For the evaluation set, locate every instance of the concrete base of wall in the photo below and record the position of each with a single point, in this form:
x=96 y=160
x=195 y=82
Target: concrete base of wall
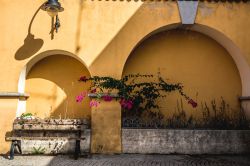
x=163 y=141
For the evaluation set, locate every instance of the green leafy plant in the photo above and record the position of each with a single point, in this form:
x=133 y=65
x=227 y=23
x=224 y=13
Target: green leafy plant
x=138 y=97
x=138 y=93
x=222 y=116
x=38 y=150
x=24 y=115
x=214 y=116
x=180 y=119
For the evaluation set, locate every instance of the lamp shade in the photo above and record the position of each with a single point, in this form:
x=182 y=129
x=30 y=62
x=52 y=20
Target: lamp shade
x=52 y=7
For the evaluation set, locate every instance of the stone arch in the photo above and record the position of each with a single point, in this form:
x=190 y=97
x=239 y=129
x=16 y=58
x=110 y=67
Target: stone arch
x=229 y=45
x=184 y=56
x=21 y=107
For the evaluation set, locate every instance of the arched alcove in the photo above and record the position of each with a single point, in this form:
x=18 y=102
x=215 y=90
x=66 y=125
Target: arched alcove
x=238 y=56
x=51 y=80
x=201 y=64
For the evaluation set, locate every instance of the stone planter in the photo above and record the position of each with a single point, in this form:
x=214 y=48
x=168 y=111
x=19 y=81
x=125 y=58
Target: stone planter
x=164 y=141
x=51 y=124
x=52 y=136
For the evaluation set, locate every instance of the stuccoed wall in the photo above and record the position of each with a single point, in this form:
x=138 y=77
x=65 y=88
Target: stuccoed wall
x=53 y=86
x=86 y=28
x=106 y=128
x=201 y=64
x=101 y=34
x=185 y=141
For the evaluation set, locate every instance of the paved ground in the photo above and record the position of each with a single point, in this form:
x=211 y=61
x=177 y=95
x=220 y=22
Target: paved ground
x=127 y=160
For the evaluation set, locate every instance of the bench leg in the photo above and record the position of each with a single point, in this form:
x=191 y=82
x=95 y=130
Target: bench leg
x=12 y=150
x=77 y=149
x=18 y=144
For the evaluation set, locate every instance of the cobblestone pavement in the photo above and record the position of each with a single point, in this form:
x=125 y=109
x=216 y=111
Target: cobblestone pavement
x=128 y=160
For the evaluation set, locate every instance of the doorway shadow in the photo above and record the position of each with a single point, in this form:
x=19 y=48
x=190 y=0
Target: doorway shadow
x=30 y=45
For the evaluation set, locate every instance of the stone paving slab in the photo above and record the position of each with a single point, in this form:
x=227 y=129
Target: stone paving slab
x=129 y=160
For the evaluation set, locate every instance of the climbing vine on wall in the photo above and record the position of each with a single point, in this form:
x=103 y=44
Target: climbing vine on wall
x=136 y=92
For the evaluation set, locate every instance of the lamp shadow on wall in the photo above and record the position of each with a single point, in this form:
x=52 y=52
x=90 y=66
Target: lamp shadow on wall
x=30 y=45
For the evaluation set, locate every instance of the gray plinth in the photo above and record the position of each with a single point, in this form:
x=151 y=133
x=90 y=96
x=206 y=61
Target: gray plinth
x=164 y=141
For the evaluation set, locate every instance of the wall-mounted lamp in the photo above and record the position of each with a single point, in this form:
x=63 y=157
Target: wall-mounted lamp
x=53 y=7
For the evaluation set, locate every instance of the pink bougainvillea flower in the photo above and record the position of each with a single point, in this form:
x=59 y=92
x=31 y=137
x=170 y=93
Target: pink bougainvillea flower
x=107 y=98
x=126 y=104
x=93 y=91
x=83 y=78
x=129 y=105
x=193 y=103
x=93 y=103
x=80 y=97
x=122 y=102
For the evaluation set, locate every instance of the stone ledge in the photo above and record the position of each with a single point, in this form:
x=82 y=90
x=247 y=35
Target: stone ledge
x=244 y=98
x=163 y=141
x=14 y=95
x=94 y=95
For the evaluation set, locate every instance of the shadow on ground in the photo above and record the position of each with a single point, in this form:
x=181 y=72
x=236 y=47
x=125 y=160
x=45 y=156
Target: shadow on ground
x=129 y=159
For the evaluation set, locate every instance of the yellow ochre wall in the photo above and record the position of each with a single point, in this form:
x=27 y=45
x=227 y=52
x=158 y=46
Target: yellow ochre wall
x=193 y=59
x=53 y=86
x=102 y=34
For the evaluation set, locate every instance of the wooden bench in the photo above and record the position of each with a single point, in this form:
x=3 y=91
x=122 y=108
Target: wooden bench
x=55 y=130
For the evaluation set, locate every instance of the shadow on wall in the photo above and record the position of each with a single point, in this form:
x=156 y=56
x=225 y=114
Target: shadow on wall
x=31 y=45
x=78 y=29
x=53 y=86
